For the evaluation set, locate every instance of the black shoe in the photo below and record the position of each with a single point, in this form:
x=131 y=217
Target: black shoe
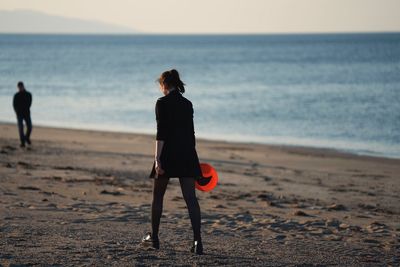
x=22 y=145
x=148 y=241
x=197 y=248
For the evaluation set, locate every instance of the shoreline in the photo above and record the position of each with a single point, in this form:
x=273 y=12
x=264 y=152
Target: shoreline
x=310 y=149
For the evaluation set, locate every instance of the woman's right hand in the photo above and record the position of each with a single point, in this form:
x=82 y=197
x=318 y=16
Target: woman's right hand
x=159 y=170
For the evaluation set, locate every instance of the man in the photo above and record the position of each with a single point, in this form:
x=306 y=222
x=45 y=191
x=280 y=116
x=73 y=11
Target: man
x=22 y=103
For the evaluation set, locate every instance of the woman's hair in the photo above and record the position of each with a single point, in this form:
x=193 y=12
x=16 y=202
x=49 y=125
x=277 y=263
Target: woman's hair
x=171 y=79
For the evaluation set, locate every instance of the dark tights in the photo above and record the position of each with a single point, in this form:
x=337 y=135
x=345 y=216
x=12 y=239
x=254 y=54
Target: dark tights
x=189 y=194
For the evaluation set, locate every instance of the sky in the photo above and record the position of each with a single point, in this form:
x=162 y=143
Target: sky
x=227 y=16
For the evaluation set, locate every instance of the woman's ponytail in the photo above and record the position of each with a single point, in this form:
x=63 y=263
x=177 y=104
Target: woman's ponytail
x=178 y=83
x=171 y=79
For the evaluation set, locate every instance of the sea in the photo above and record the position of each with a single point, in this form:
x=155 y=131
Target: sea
x=339 y=91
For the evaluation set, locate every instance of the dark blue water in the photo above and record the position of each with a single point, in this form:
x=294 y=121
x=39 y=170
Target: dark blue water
x=336 y=91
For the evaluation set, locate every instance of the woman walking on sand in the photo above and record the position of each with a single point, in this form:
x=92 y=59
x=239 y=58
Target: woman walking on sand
x=175 y=156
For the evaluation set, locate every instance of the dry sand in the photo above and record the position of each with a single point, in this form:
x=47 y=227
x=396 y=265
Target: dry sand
x=78 y=198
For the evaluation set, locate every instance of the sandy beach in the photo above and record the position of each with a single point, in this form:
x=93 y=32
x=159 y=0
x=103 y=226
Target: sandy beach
x=79 y=198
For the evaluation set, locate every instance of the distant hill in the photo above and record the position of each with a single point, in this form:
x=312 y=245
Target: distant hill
x=28 y=21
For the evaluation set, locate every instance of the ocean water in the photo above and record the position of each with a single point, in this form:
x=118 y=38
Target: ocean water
x=337 y=91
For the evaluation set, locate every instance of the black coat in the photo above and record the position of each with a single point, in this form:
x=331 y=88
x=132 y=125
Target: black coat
x=174 y=115
x=22 y=103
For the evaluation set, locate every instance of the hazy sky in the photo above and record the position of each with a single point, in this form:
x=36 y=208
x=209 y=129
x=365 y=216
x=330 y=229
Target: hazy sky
x=227 y=16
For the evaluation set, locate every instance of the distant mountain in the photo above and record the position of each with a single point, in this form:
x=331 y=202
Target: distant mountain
x=28 y=21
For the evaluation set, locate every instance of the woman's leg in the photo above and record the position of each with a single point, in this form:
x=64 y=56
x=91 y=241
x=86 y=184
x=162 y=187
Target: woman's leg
x=159 y=187
x=189 y=194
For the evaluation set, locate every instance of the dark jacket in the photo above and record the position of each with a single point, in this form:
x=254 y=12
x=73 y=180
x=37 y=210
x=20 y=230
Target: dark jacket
x=174 y=115
x=22 y=103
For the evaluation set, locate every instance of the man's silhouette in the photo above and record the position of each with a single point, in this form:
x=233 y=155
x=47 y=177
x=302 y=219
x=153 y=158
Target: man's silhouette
x=22 y=103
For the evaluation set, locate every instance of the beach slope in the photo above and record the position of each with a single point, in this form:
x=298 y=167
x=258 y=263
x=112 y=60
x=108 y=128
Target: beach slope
x=83 y=198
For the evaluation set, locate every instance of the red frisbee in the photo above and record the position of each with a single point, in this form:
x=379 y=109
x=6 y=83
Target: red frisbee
x=209 y=179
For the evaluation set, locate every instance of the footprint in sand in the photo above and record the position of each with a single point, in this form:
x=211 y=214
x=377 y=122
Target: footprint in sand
x=177 y=198
x=28 y=188
x=8 y=165
x=26 y=165
x=114 y=193
x=337 y=207
x=9 y=148
x=300 y=213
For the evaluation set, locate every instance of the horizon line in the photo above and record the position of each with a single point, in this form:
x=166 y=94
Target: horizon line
x=202 y=33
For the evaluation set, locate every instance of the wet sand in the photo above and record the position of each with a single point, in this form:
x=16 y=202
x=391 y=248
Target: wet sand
x=78 y=198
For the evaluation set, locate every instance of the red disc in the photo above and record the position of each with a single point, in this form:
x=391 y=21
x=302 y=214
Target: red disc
x=209 y=179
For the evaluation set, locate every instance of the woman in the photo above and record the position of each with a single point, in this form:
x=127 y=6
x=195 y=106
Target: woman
x=175 y=156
